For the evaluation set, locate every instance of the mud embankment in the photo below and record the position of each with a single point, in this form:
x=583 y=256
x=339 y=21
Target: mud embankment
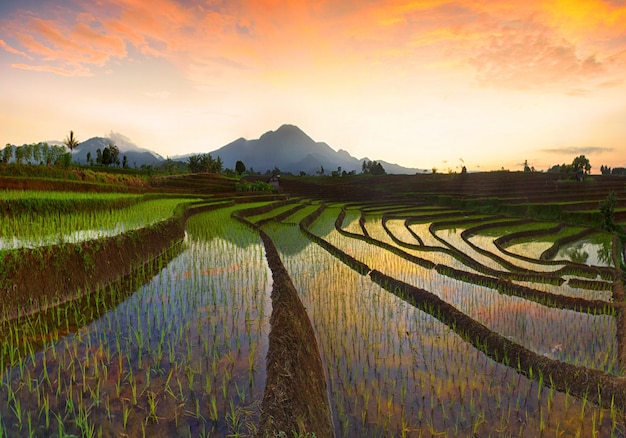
x=295 y=397
x=295 y=400
x=32 y=280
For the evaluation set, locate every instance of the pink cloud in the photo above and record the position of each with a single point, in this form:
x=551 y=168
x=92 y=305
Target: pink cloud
x=497 y=39
x=51 y=69
x=526 y=55
x=10 y=49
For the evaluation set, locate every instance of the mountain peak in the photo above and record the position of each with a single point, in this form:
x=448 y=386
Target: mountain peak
x=291 y=150
x=288 y=127
x=286 y=131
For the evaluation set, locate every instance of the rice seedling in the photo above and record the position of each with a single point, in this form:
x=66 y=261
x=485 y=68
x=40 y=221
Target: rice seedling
x=184 y=353
x=31 y=230
x=139 y=363
x=448 y=407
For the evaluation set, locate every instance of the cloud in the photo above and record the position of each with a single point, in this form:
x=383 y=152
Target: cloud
x=66 y=48
x=10 y=49
x=123 y=142
x=611 y=84
x=52 y=69
x=93 y=34
x=502 y=44
x=578 y=150
x=528 y=55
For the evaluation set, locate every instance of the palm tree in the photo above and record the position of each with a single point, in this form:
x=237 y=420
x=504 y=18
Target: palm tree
x=71 y=142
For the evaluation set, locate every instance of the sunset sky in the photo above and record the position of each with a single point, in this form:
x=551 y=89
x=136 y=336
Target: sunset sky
x=424 y=84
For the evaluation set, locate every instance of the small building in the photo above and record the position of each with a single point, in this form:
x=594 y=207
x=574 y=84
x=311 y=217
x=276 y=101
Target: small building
x=274 y=181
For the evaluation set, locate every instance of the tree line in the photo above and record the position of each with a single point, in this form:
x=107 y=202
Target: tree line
x=36 y=153
x=606 y=170
x=579 y=168
x=205 y=163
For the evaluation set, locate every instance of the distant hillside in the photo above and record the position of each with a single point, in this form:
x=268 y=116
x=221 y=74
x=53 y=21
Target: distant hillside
x=288 y=149
x=291 y=150
x=136 y=156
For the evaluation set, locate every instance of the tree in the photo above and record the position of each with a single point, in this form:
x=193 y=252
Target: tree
x=106 y=156
x=194 y=163
x=378 y=169
x=27 y=153
x=65 y=159
x=373 y=168
x=125 y=162
x=57 y=155
x=19 y=154
x=7 y=153
x=89 y=158
x=581 y=164
x=607 y=209
x=37 y=153
x=218 y=165
x=99 y=157
x=240 y=168
x=526 y=166
x=114 y=152
x=605 y=170
x=45 y=153
x=71 y=142
x=204 y=163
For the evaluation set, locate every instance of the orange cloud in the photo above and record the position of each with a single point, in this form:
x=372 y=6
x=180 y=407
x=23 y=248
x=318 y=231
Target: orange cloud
x=527 y=55
x=10 y=49
x=71 y=48
x=512 y=44
x=52 y=69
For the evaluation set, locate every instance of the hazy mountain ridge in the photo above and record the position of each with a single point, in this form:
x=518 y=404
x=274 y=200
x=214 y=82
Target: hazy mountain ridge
x=135 y=155
x=288 y=149
x=291 y=150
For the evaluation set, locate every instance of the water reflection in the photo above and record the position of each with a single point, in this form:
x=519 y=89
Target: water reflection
x=394 y=370
x=183 y=356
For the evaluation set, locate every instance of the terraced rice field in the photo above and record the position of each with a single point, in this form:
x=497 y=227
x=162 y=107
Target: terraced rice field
x=429 y=321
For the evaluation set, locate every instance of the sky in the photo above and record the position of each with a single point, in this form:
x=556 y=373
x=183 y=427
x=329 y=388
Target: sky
x=428 y=84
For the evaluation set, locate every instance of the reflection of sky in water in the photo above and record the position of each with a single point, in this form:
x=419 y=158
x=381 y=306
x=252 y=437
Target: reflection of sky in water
x=351 y=222
x=590 y=253
x=529 y=249
x=503 y=314
x=391 y=366
x=205 y=314
x=42 y=230
x=74 y=237
x=453 y=237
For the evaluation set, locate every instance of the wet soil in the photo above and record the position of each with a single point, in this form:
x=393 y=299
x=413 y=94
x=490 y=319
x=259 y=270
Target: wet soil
x=296 y=397
x=36 y=279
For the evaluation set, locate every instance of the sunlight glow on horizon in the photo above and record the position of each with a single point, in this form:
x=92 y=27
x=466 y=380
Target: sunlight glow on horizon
x=419 y=83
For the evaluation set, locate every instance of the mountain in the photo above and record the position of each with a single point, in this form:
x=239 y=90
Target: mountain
x=291 y=150
x=135 y=155
x=288 y=149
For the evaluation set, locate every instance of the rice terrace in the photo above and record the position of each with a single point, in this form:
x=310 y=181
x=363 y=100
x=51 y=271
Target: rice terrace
x=471 y=305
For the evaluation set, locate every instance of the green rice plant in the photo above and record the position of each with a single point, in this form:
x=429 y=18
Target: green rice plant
x=325 y=298
x=34 y=230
